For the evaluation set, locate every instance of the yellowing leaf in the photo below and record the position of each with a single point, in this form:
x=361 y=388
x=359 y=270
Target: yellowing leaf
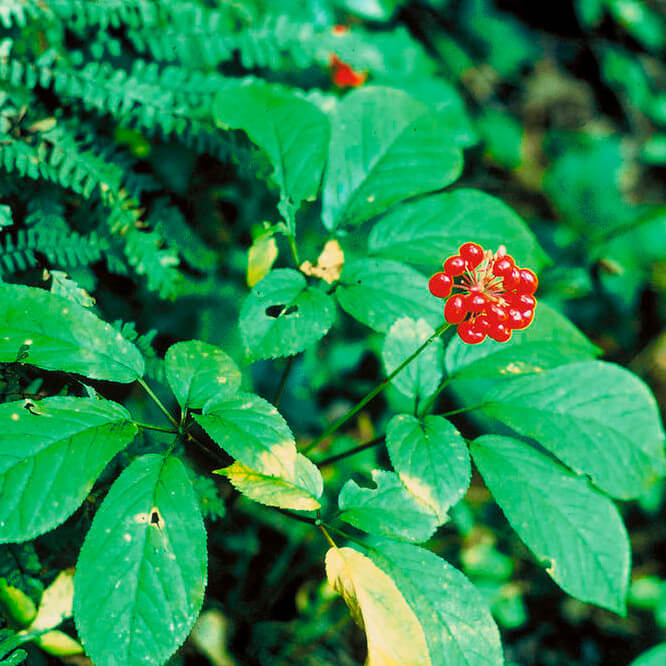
x=59 y=644
x=329 y=264
x=56 y=603
x=260 y=258
x=395 y=636
x=299 y=494
x=15 y=605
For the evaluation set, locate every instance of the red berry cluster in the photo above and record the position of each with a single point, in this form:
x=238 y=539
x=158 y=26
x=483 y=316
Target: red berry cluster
x=494 y=295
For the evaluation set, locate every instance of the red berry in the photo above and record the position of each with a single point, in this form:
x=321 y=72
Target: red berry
x=475 y=302
x=528 y=318
x=515 y=318
x=455 y=309
x=481 y=323
x=472 y=253
x=496 y=313
x=499 y=332
x=528 y=281
x=503 y=266
x=454 y=266
x=511 y=279
x=468 y=333
x=440 y=285
x=524 y=301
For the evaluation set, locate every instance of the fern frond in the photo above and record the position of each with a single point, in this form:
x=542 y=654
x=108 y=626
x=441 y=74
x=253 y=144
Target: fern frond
x=18 y=12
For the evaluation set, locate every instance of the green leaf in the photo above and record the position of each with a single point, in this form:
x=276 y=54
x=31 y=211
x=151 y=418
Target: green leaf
x=388 y=509
x=385 y=147
x=283 y=316
x=598 y=418
x=422 y=376
x=379 y=291
x=293 y=132
x=142 y=567
x=550 y=341
x=426 y=231
x=198 y=372
x=253 y=432
x=655 y=656
x=431 y=459
x=301 y=494
x=52 y=453
x=53 y=333
x=562 y=519
x=458 y=627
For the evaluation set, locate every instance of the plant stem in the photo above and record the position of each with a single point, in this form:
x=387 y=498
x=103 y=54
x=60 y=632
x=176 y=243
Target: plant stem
x=460 y=410
x=157 y=401
x=295 y=516
x=431 y=400
x=352 y=451
x=344 y=535
x=283 y=380
x=294 y=250
x=147 y=426
x=327 y=536
x=375 y=391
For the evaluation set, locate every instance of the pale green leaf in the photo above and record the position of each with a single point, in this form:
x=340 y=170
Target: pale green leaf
x=655 y=656
x=142 y=567
x=422 y=376
x=427 y=231
x=395 y=636
x=598 y=418
x=388 y=509
x=385 y=147
x=283 y=316
x=568 y=524
x=52 y=451
x=53 y=333
x=300 y=494
x=457 y=624
x=377 y=292
x=293 y=132
x=252 y=431
x=551 y=340
x=198 y=372
x=431 y=459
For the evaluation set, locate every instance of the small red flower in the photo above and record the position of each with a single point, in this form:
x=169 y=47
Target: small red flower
x=344 y=76
x=340 y=29
x=492 y=295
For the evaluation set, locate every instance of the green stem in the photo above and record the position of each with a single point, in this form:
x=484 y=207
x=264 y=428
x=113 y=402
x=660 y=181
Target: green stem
x=375 y=391
x=460 y=410
x=283 y=380
x=147 y=426
x=351 y=452
x=431 y=400
x=294 y=250
x=158 y=402
x=344 y=535
x=327 y=536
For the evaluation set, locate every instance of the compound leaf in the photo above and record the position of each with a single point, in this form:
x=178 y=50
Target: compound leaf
x=54 y=333
x=283 y=316
x=142 y=566
x=388 y=509
x=198 y=372
x=562 y=519
x=52 y=453
x=598 y=418
x=431 y=459
x=385 y=147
